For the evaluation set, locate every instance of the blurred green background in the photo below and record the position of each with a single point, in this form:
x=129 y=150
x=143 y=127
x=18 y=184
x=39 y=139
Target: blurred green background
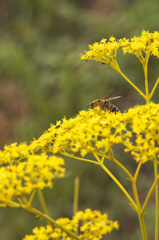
x=42 y=79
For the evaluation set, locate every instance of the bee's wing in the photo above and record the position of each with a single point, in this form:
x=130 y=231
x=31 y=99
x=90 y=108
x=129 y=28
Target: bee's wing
x=108 y=94
x=108 y=99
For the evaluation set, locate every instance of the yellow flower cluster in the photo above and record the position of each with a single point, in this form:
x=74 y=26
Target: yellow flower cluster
x=88 y=225
x=145 y=128
x=96 y=131
x=141 y=47
x=14 y=153
x=104 y=51
x=36 y=172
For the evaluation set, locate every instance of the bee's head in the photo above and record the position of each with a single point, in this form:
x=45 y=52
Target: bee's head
x=90 y=105
x=94 y=104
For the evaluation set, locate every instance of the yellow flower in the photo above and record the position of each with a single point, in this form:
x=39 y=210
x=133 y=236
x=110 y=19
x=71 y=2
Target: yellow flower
x=95 y=131
x=104 y=52
x=36 y=172
x=91 y=225
x=141 y=46
x=14 y=153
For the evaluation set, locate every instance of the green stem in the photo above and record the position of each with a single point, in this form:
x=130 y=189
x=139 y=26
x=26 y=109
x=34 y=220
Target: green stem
x=110 y=157
x=20 y=200
x=31 y=197
x=149 y=194
x=38 y=213
x=140 y=214
x=79 y=158
x=154 y=88
x=117 y=68
x=117 y=182
x=156 y=202
x=24 y=200
x=49 y=219
x=133 y=85
x=136 y=196
x=144 y=64
x=9 y=203
x=76 y=194
x=42 y=202
x=137 y=171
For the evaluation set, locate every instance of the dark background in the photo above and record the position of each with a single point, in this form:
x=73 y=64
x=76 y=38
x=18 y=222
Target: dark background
x=42 y=79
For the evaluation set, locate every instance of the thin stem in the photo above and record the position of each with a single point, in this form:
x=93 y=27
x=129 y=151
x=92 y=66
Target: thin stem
x=10 y=203
x=3 y=205
x=79 y=158
x=76 y=194
x=140 y=215
x=20 y=200
x=49 y=219
x=25 y=201
x=133 y=85
x=38 y=213
x=137 y=171
x=117 y=182
x=144 y=64
x=111 y=152
x=31 y=197
x=154 y=88
x=146 y=82
x=110 y=157
x=156 y=203
x=122 y=167
x=136 y=196
x=149 y=194
x=117 y=68
x=102 y=160
x=42 y=201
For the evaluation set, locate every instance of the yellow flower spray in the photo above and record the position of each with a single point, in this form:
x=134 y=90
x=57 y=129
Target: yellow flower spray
x=91 y=133
x=143 y=119
x=23 y=174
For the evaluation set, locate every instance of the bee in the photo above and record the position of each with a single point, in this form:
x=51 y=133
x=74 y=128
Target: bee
x=104 y=103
